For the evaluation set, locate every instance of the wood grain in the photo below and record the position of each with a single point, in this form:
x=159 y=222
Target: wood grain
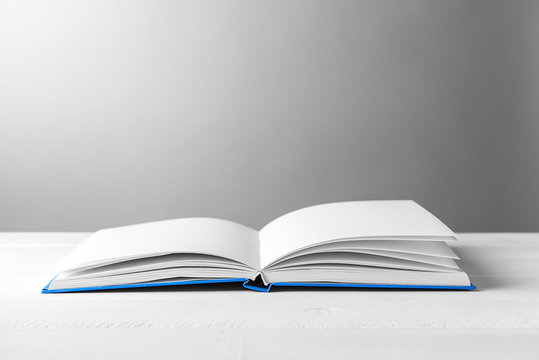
x=226 y=320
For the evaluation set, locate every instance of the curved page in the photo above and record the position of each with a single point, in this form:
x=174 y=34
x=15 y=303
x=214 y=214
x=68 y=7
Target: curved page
x=155 y=263
x=342 y=220
x=422 y=248
x=190 y=235
x=353 y=259
x=434 y=260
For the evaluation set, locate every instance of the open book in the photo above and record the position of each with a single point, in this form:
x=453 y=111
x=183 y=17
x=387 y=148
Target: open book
x=355 y=244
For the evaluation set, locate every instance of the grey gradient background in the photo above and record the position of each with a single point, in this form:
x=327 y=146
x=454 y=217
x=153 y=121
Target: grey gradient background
x=116 y=112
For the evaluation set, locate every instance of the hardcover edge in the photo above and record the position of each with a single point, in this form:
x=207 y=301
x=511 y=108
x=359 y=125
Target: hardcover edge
x=267 y=288
x=248 y=284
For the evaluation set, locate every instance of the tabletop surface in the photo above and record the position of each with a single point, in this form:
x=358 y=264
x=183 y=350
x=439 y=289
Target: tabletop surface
x=499 y=320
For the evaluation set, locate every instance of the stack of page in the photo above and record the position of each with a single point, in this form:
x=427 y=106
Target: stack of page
x=389 y=244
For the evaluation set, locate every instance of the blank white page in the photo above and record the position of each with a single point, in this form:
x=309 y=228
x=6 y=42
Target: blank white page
x=344 y=220
x=190 y=235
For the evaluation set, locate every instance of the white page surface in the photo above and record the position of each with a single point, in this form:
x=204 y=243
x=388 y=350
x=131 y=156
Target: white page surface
x=190 y=235
x=342 y=220
x=435 y=260
x=352 y=259
x=427 y=248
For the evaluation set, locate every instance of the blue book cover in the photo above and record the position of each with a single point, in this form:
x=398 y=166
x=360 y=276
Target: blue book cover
x=255 y=286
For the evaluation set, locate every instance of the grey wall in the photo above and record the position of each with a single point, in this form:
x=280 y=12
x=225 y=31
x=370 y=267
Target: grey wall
x=114 y=112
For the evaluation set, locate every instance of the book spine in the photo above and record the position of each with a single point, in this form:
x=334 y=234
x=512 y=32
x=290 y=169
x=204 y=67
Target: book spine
x=257 y=285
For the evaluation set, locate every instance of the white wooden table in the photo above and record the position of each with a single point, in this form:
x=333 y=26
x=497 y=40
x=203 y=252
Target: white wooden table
x=498 y=321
